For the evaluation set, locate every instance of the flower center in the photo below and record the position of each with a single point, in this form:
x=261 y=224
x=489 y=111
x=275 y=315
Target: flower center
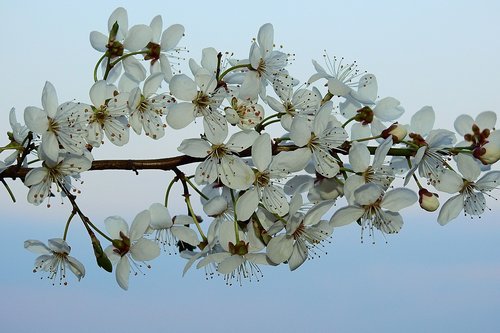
x=262 y=178
x=100 y=115
x=299 y=231
x=261 y=68
x=219 y=151
x=202 y=100
x=122 y=246
x=53 y=126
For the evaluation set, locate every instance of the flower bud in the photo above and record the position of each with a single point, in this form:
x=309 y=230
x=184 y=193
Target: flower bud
x=489 y=153
x=428 y=200
x=397 y=131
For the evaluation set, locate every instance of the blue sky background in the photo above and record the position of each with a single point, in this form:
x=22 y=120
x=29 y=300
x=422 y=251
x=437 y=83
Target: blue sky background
x=427 y=278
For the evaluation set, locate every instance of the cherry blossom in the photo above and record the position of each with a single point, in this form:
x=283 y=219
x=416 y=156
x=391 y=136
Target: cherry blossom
x=129 y=248
x=471 y=190
x=319 y=140
x=376 y=209
x=221 y=161
x=54 y=259
x=60 y=125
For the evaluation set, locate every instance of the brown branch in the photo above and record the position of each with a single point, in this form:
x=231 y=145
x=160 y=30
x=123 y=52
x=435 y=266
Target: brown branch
x=170 y=163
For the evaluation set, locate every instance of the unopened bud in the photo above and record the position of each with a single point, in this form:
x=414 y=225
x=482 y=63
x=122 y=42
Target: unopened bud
x=100 y=256
x=489 y=153
x=428 y=200
x=397 y=132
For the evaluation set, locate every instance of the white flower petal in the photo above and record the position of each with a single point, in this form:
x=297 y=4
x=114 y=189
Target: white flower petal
x=144 y=250
x=49 y=99
x=116 y=225
x=265 y=38
x=300 y=132
x=195 y=147
x=468 y=167
x=241 y=140
x=36 y=119
x=206 y=172
x=123 y=272
x=135 y=69
x=423 y=121
x=50 y=146
x=489 y=181
x=261 y=152
x=314 y=215
x=36 y=246
x=76 y=267
x=138 y=37
x=346 y=215
x=119 y=15
x=451 y=209
x=183 y=87
x=275 y=200
x=359 y=157
x=279 y=248
x=185 y=234
x=180 y=115
x=368 y=194
x=160 y=217
x=486 y=119
x=388 y=109
x=171 y=37
x=367 y=89
x=152 y=84
x=235 y=174
x=247 y=204
x=399 y=198
x=289 y=161
x=463 y=124
x=228 y=265
x=98 y=93
x=98 y=41
x=299 y=256
x=449 y=182
x=140 y=225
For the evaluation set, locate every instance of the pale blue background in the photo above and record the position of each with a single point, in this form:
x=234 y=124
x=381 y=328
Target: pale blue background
x=426 y=279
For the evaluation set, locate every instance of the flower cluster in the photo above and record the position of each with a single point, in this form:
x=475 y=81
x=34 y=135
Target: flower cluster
x=267 y=199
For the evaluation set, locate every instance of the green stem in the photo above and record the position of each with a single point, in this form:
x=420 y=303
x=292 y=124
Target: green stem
x=368 y=139
x=411 y=144
x=8 y=190
x=193 y=215
x=414 y=176
x=194 y=187
x=347 y=169
x=170 y=185
x=96 y=68
x=233 y=68
x=82 y=216
x=261 y=127
x=269 y=117
x=182 y=177
x=348 y=121
x=66 y=228
x=97 y=229
x=128 y=55
x=235 y=222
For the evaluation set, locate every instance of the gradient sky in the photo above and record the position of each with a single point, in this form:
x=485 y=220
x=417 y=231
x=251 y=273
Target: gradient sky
x=427 y=278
